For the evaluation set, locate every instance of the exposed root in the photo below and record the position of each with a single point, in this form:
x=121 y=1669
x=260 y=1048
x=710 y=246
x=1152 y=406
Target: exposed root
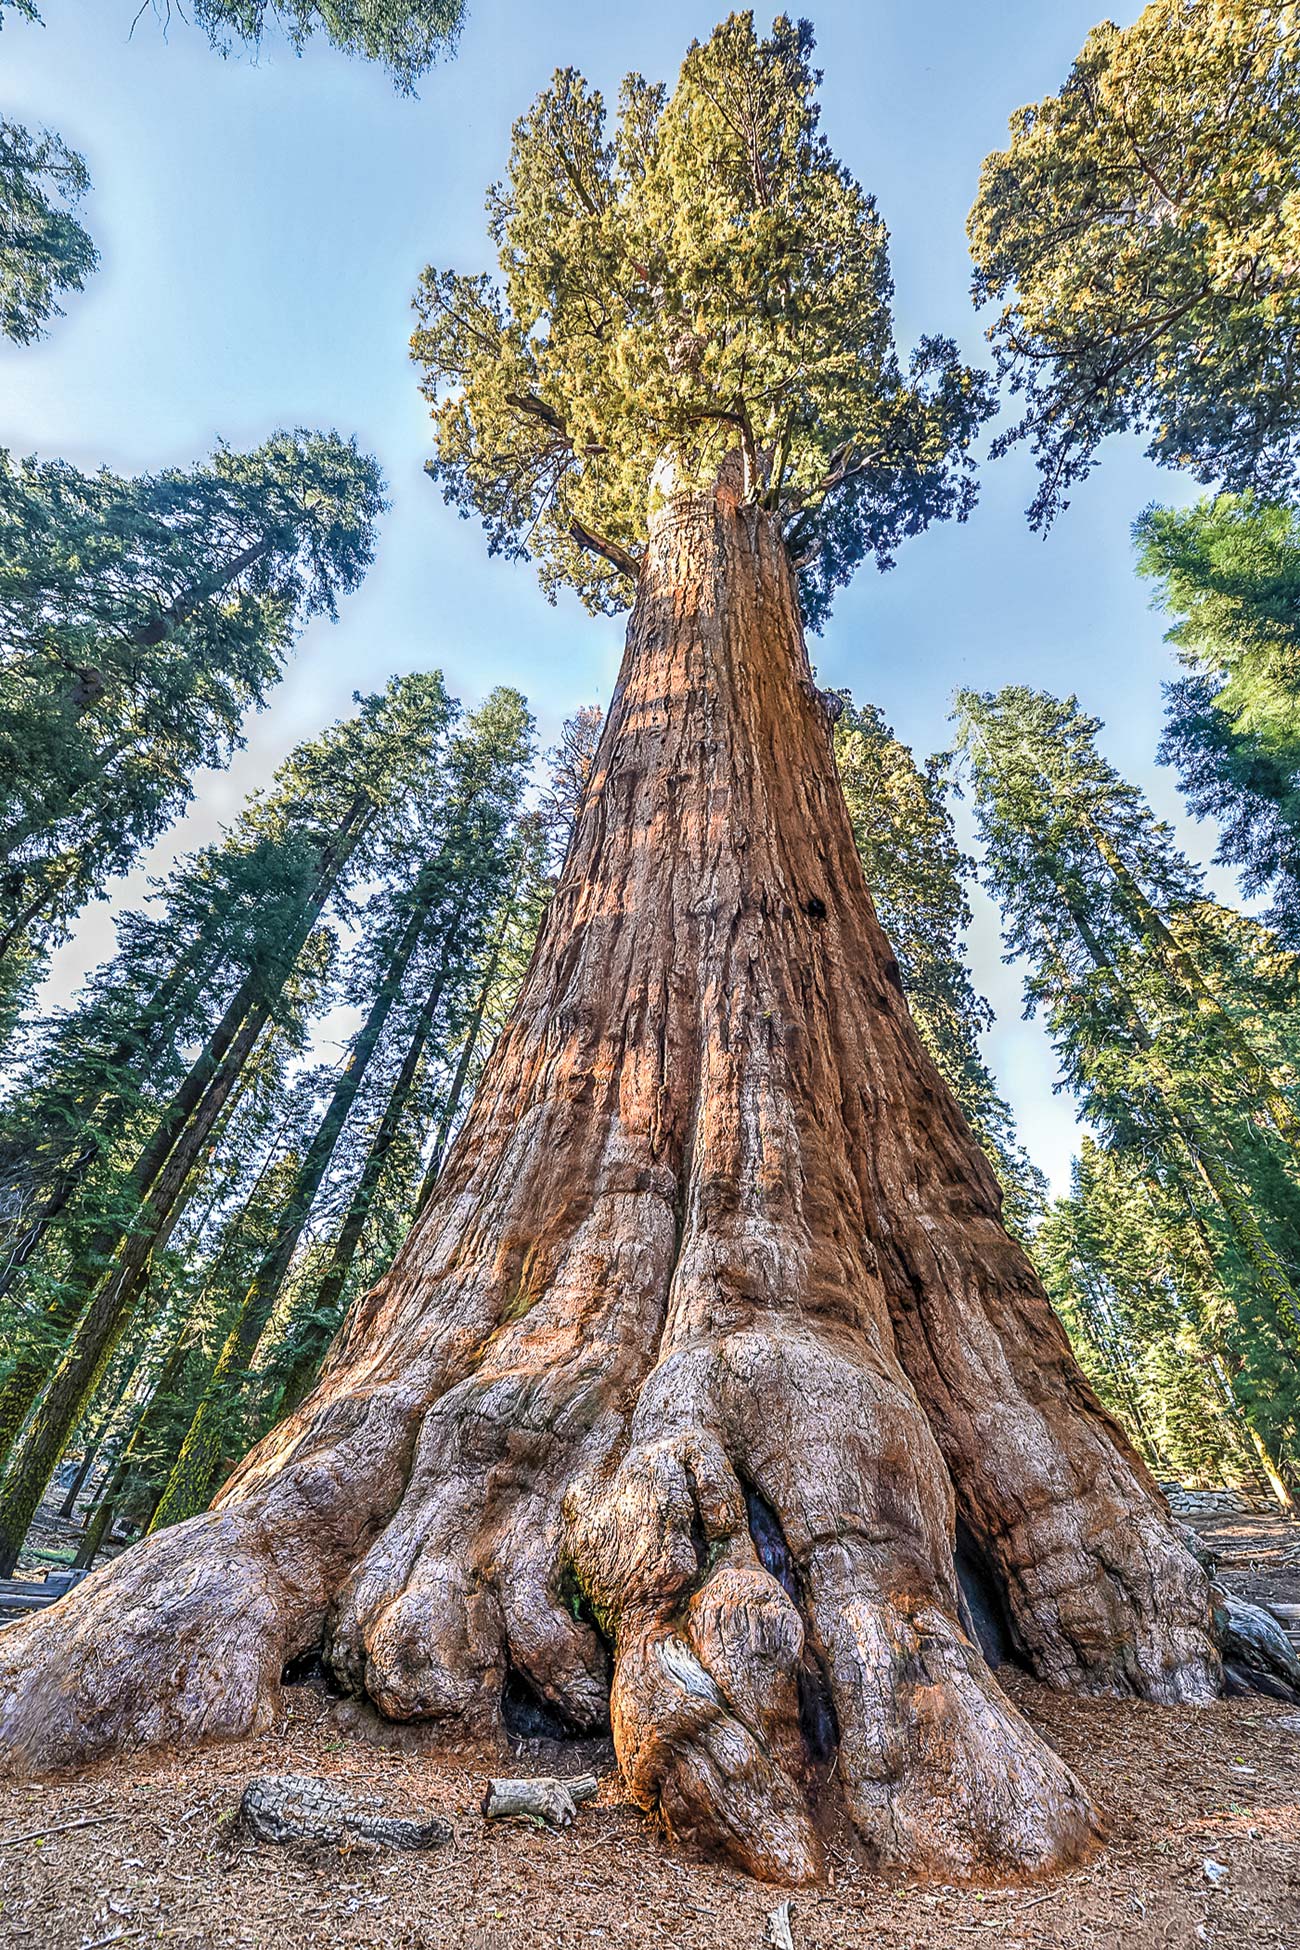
x=937 y=1769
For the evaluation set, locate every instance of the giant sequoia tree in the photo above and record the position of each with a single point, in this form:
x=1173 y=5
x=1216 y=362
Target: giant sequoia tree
x=710 y=1342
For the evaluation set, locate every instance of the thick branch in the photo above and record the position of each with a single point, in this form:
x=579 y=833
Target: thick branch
x=614 y=552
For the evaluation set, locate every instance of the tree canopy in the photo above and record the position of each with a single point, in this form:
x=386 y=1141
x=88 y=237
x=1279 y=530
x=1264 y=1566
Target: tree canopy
x=140 y=619
x=44 y=250
x=706 y=279
x=404 y=36
x=1143 y=230
x=1228 y=573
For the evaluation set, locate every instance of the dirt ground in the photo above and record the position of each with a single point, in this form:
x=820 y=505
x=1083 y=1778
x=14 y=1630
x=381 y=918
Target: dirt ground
x=1202 y=1808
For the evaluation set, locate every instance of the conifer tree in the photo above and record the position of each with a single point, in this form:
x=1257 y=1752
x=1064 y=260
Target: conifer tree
x=404 y=36
x=710 y=1324
x=456 y=847
x=917 y=875
x=1228 y=572
x=329 y=803
x=44 y=250
x=1164 y=1324
x=1142 y=230
x=1175 y=1021
x=141 y=619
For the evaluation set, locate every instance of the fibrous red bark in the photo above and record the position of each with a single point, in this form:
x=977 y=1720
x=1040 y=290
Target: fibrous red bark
x=710 y=1338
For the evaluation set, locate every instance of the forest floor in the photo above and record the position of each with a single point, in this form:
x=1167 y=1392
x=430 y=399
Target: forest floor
x=1202 y=1811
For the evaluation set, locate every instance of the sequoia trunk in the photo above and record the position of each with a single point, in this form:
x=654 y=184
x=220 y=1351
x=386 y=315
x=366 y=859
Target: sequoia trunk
x=660 y=1413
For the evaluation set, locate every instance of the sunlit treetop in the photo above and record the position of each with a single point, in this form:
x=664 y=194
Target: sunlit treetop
x=708 y=278
x=1142 y=230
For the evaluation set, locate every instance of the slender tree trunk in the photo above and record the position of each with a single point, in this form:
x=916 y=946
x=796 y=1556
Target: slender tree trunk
x=146 y=1423
x=157 y=630
x=101 y=1517
x=194 y=1476
x=76 y=1156
x=99 y=1430
x=13 y=934
x=325 y=1301
x=1181 y=966
x=1268 y=1469
x=77 y=1376
x=712 y=1323
x=474 y=1029
x=176 y=1140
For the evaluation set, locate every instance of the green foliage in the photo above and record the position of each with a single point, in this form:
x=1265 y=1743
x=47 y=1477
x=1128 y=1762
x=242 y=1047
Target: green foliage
x=236 y=920
x=1173 y=1353
x=1228 y=571
x=1176 y=1021
x=709 y=279
x=1143 y=229
x=141 y=619
x=917 y=873
x=44 y=251
x=458 y=871
x=311 y=1174
x=404 y=36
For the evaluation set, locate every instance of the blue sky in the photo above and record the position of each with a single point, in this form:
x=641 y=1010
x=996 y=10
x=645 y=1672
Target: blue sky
x=262 y=223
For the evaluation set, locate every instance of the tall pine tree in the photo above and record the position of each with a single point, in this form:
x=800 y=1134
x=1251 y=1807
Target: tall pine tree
x=329 y=806
x=1228 y=572
x=140 y=621
x=1174 y=1020
x=917 y=876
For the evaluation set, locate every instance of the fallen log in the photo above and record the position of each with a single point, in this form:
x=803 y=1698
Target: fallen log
x=1257 y=1654
x=545 y=1799
x=296 y=1808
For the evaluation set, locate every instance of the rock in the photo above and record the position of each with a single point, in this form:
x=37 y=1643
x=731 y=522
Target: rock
x=1206 y=1503
x=1214 y=1872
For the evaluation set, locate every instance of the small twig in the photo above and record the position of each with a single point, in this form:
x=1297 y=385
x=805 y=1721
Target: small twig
x=39 y=1834
x=1048 y=1898
x=118 y=1936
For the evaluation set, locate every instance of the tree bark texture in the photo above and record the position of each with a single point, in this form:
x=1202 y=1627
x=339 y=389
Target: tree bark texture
x=707 y=1342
